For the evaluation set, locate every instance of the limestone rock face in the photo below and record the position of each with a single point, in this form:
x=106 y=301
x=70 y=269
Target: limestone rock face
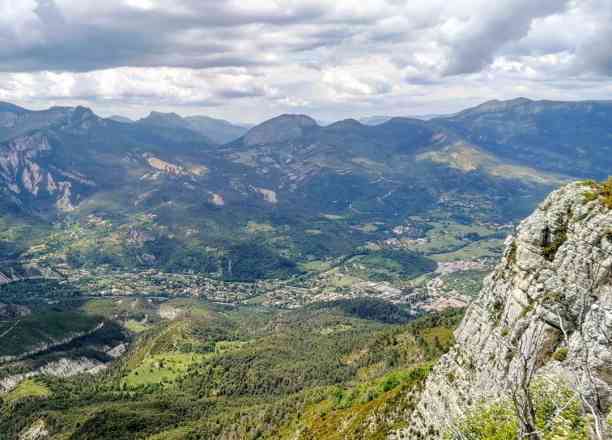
x=38 y=431
x=22 y=173
x=552 y=291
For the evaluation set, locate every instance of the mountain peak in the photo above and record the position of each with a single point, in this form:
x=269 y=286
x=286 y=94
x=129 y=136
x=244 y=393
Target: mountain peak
x=11 y=108
x=80 y=114
x=122 y=119
x=282 y=128
x=81 y=110
x=156 y=114
x=302 y=120
x=346 y=124
x=496 y=105
x=218 y=130
x=164 y=119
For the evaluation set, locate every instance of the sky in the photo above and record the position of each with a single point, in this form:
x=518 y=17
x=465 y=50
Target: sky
x=248 y=60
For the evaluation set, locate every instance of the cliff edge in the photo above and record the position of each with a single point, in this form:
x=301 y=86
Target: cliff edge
x=543 y=320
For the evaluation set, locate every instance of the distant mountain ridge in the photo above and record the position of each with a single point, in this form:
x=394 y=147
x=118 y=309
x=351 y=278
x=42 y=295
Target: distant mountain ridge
x=217 y=130
x=119 y=118
x=381 y=119
x=279 y=129
x=491 y=163
x=570 y=137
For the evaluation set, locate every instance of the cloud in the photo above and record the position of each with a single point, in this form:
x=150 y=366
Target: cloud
x=70 y=35
x=474 y=41
x=594 y=49
x=336 y=58
x=86 y=35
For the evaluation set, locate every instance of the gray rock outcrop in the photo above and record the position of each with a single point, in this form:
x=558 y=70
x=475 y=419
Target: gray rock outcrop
x=38 y=431
x=551 y=293
x=22 y=173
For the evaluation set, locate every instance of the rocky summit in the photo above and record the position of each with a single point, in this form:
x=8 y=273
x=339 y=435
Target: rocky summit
x=544 y=316
x=280 y=129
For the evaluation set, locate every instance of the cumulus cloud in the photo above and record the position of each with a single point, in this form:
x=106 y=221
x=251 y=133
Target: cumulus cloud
x=253 y=59
x=474 y=41
x=594 y=47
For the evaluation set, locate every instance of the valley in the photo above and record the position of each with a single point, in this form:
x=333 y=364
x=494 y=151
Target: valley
x=399 y=269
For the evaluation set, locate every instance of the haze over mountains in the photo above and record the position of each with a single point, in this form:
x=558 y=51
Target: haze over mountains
x=217 y=130
x=380 y=119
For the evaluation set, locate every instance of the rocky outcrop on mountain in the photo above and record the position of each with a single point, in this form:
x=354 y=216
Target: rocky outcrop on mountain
x=17 y=166
x=117 y=351
x=4 y=279
x=23 y=171
x=64 y=367
x=51 y=344
x=37 y=431
x=545 y=313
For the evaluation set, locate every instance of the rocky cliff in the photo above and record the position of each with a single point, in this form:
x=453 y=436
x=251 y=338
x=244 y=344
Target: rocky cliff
x=543 y=316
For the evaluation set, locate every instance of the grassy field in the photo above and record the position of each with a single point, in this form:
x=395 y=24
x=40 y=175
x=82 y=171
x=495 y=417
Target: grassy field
x=229 y=346
x=468 y=282
x=256 y=228
x=136 y=326
x=446 y=237
x=28 y=388
x=161 y=369
x=489 y=248
x=315 y=266
x=131 y=309
x=106 y=307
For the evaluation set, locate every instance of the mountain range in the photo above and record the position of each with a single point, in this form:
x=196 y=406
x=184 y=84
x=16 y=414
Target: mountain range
x=381 y=119
x=182 y=186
